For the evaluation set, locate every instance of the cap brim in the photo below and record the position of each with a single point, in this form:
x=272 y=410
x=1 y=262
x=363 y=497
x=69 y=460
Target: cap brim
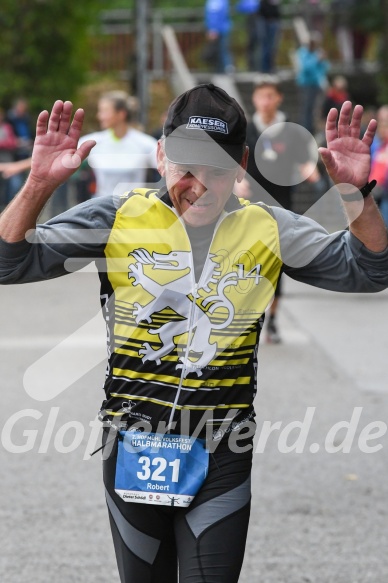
x=202 y=151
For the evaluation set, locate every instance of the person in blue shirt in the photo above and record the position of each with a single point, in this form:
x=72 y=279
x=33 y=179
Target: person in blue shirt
x=268 y=15
x=250 y=9
x=21 y=122
x=218 y=26
x=312 y=68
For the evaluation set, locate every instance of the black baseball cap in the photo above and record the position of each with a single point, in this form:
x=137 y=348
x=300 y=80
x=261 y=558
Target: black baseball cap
x=205 y=126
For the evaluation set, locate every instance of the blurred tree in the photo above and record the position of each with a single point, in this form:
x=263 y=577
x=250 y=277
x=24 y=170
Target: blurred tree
x=44 y=49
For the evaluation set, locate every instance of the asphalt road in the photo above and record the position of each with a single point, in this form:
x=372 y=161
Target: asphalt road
x=317 y=517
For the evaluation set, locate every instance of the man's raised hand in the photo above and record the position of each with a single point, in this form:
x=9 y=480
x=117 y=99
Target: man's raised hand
x=347 y=155
x=56 y=155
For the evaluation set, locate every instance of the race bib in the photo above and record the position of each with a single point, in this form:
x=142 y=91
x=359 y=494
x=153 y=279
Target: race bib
x=153 y=468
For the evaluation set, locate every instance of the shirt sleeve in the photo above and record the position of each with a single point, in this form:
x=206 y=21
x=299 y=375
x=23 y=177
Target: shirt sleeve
x=64 y=244
x=337 y=261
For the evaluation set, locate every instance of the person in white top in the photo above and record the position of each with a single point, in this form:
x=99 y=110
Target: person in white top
x=123 y=157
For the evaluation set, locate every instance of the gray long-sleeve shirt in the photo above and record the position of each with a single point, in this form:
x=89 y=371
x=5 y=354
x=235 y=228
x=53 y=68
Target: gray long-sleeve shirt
x=338 y=261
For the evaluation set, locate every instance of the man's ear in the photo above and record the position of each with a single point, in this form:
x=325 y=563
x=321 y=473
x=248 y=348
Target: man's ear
x=243 y=165
x=161 y=158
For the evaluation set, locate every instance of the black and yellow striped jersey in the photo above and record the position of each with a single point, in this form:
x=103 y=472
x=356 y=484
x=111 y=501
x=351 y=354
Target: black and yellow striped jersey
x=182 y=348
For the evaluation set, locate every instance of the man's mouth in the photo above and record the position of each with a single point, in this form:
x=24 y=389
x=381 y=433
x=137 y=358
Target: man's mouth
x=200 y=204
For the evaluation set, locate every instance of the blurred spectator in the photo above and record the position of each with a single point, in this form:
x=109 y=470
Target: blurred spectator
x=8 y=139
x=311 y=78
x=279 y=154
x=8 y=144
x=218 y=26
x=336 y=94
x=123 y=157
x=250 y=8
x=379 y=169
x=83 y=183
x=19 y=118
x=9 y=169
x=269 y=28
x=17 y=169
x=279 y=158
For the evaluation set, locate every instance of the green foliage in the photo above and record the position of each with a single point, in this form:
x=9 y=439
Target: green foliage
x=366 y=16
x=130 y=4
x=44 y=50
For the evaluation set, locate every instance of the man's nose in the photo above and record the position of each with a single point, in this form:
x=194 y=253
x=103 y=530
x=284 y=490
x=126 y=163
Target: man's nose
x=198 y=184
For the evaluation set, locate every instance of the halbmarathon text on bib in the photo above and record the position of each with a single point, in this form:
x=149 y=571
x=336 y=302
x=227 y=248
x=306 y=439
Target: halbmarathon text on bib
x=154 y=468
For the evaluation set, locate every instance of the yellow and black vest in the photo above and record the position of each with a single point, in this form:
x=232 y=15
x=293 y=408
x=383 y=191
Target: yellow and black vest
x=177 y=345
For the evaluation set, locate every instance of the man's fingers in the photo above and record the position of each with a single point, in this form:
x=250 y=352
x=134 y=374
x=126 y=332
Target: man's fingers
x=73 y=161
x=328 y=159
x=64 y=120
x=76 y=125
x=349 y=124
x=55 y=116
x=370 y=132
x=41 y=123
x=344 y=120
x=57 y=120
x=85 y=148
x=331 y=126
x=355 y=124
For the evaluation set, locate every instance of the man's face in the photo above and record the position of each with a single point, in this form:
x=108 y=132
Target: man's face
x=198 y=193
x=108 y=116
x=266 y=100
